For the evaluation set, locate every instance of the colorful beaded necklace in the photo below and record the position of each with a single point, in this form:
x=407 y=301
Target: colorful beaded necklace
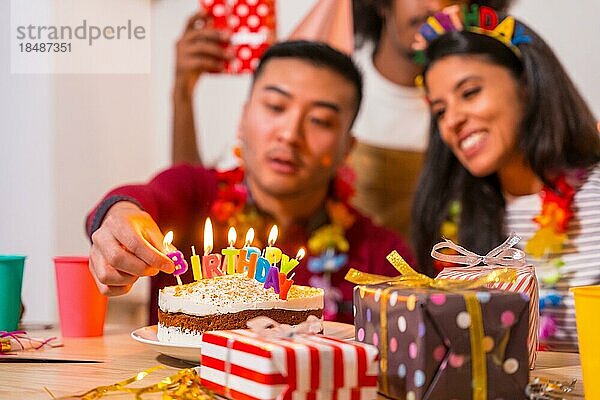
x=327 y=243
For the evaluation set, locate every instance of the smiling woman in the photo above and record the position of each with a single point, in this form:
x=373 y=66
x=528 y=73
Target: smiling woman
x=511 y=142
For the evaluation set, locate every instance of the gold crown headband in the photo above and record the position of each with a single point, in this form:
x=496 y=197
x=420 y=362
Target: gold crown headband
x=482 y=20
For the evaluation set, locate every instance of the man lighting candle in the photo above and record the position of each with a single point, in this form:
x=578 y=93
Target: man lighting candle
x=294 y=134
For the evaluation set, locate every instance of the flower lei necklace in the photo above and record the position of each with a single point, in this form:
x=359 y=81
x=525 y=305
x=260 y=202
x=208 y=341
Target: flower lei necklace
x=327 y=244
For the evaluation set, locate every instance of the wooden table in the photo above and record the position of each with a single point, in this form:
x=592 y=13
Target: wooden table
x=122 y=357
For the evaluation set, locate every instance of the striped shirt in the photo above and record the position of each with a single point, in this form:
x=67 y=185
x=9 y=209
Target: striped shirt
x=580 y=254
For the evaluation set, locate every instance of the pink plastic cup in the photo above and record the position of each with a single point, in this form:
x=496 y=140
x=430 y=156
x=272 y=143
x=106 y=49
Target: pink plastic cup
x=81 y=307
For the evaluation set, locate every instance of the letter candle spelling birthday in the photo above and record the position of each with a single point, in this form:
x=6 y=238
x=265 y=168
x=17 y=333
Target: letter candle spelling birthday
x=273 y=254
x=230 y=253
x=211 y=263
x=176 y=256
x=288 y=264
x=196 y=268
x=248 y=255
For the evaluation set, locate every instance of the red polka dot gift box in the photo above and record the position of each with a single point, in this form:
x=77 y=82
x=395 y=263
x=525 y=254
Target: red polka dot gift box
x=252 y=24
x=441 y=340
x=247 y=365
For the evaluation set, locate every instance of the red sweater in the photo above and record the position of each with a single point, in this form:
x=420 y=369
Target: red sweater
x=180 y=198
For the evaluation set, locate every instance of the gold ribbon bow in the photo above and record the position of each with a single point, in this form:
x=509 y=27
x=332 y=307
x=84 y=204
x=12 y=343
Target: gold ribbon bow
x=410 y=278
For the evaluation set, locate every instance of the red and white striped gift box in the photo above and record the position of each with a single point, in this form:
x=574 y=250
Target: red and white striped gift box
x=243 y=365
x=526 y=283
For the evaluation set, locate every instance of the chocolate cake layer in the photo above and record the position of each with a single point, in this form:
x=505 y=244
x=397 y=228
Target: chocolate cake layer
x=233 y=320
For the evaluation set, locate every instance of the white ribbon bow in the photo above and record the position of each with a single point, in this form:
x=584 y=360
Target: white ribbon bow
x=266 y=327
x=504 y=255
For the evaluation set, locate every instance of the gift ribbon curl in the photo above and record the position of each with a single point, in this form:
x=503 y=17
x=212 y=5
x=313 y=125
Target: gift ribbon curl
x=410 y=278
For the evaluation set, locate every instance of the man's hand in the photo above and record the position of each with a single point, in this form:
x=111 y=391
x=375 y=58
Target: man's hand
x=201 y=48
x=124 y=248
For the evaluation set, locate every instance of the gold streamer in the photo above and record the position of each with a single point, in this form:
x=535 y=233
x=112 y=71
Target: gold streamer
x=410 y=278
x=183 y=385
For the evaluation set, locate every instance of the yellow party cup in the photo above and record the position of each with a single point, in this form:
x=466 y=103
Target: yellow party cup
x=587 y=304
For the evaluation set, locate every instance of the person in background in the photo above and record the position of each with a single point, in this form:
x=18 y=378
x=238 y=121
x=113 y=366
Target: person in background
x=513 y=147
x=391 y=128
x=294 y=135
x=202 y=48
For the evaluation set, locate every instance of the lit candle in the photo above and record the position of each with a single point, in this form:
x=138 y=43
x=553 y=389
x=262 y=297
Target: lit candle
x=273 y=254
x=288 y=264
x=211 y=263
x=176 y=256
x=248 y=256
x=196 y=269
x=230 y=253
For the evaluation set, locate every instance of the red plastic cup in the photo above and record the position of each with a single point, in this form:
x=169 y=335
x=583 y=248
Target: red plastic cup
x=81 y=307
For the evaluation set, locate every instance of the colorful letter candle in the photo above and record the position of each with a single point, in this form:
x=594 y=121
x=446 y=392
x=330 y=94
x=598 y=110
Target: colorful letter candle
x=284 y=285
x=273 y=254
x=272 y=280
x=262 y=269
x=196 y=269
x=247 y=260
x=211 y=263
x=230 y=253
x=288 y=264
x=176 y=256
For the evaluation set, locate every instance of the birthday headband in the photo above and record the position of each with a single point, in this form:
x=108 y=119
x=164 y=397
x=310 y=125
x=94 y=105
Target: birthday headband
x=482 y=20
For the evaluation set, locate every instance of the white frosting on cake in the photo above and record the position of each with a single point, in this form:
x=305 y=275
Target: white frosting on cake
x=234 y=293
x=178 y=336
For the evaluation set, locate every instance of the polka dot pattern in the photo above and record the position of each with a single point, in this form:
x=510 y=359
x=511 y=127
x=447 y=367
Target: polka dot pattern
x=413 y=350
x=252 y=23
x=393 y=299
x=438 y=299
x=377 y=295
x=463 y=320
x=507 y=318
x=360 y=335
x=510 y=366
x=393 y=345
x=402 y=370
x=413 y=315
x=402 y=324
x=419 y=378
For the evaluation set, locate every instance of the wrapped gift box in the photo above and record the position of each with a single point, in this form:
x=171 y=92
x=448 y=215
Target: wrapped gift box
x=525 y=282
x=252 y=26
x=241 y=364
x=445 y=344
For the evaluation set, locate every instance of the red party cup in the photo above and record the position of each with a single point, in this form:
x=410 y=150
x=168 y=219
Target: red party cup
x=82 y=309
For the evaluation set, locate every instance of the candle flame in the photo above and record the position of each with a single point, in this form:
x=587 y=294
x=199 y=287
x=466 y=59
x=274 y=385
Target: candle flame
x=301 y=254
x=208 y=236
x=168 y=240
x=273 y=235
x=249 y=237
x=231 y=236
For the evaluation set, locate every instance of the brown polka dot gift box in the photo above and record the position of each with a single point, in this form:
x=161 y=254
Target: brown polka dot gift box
x=252 y=25
x=466 y=265
x=443 y=339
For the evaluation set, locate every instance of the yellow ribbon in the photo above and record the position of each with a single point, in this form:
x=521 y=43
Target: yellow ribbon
x=410 y=278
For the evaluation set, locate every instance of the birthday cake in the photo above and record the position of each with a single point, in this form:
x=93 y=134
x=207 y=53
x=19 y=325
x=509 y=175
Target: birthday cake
x=229 y=302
